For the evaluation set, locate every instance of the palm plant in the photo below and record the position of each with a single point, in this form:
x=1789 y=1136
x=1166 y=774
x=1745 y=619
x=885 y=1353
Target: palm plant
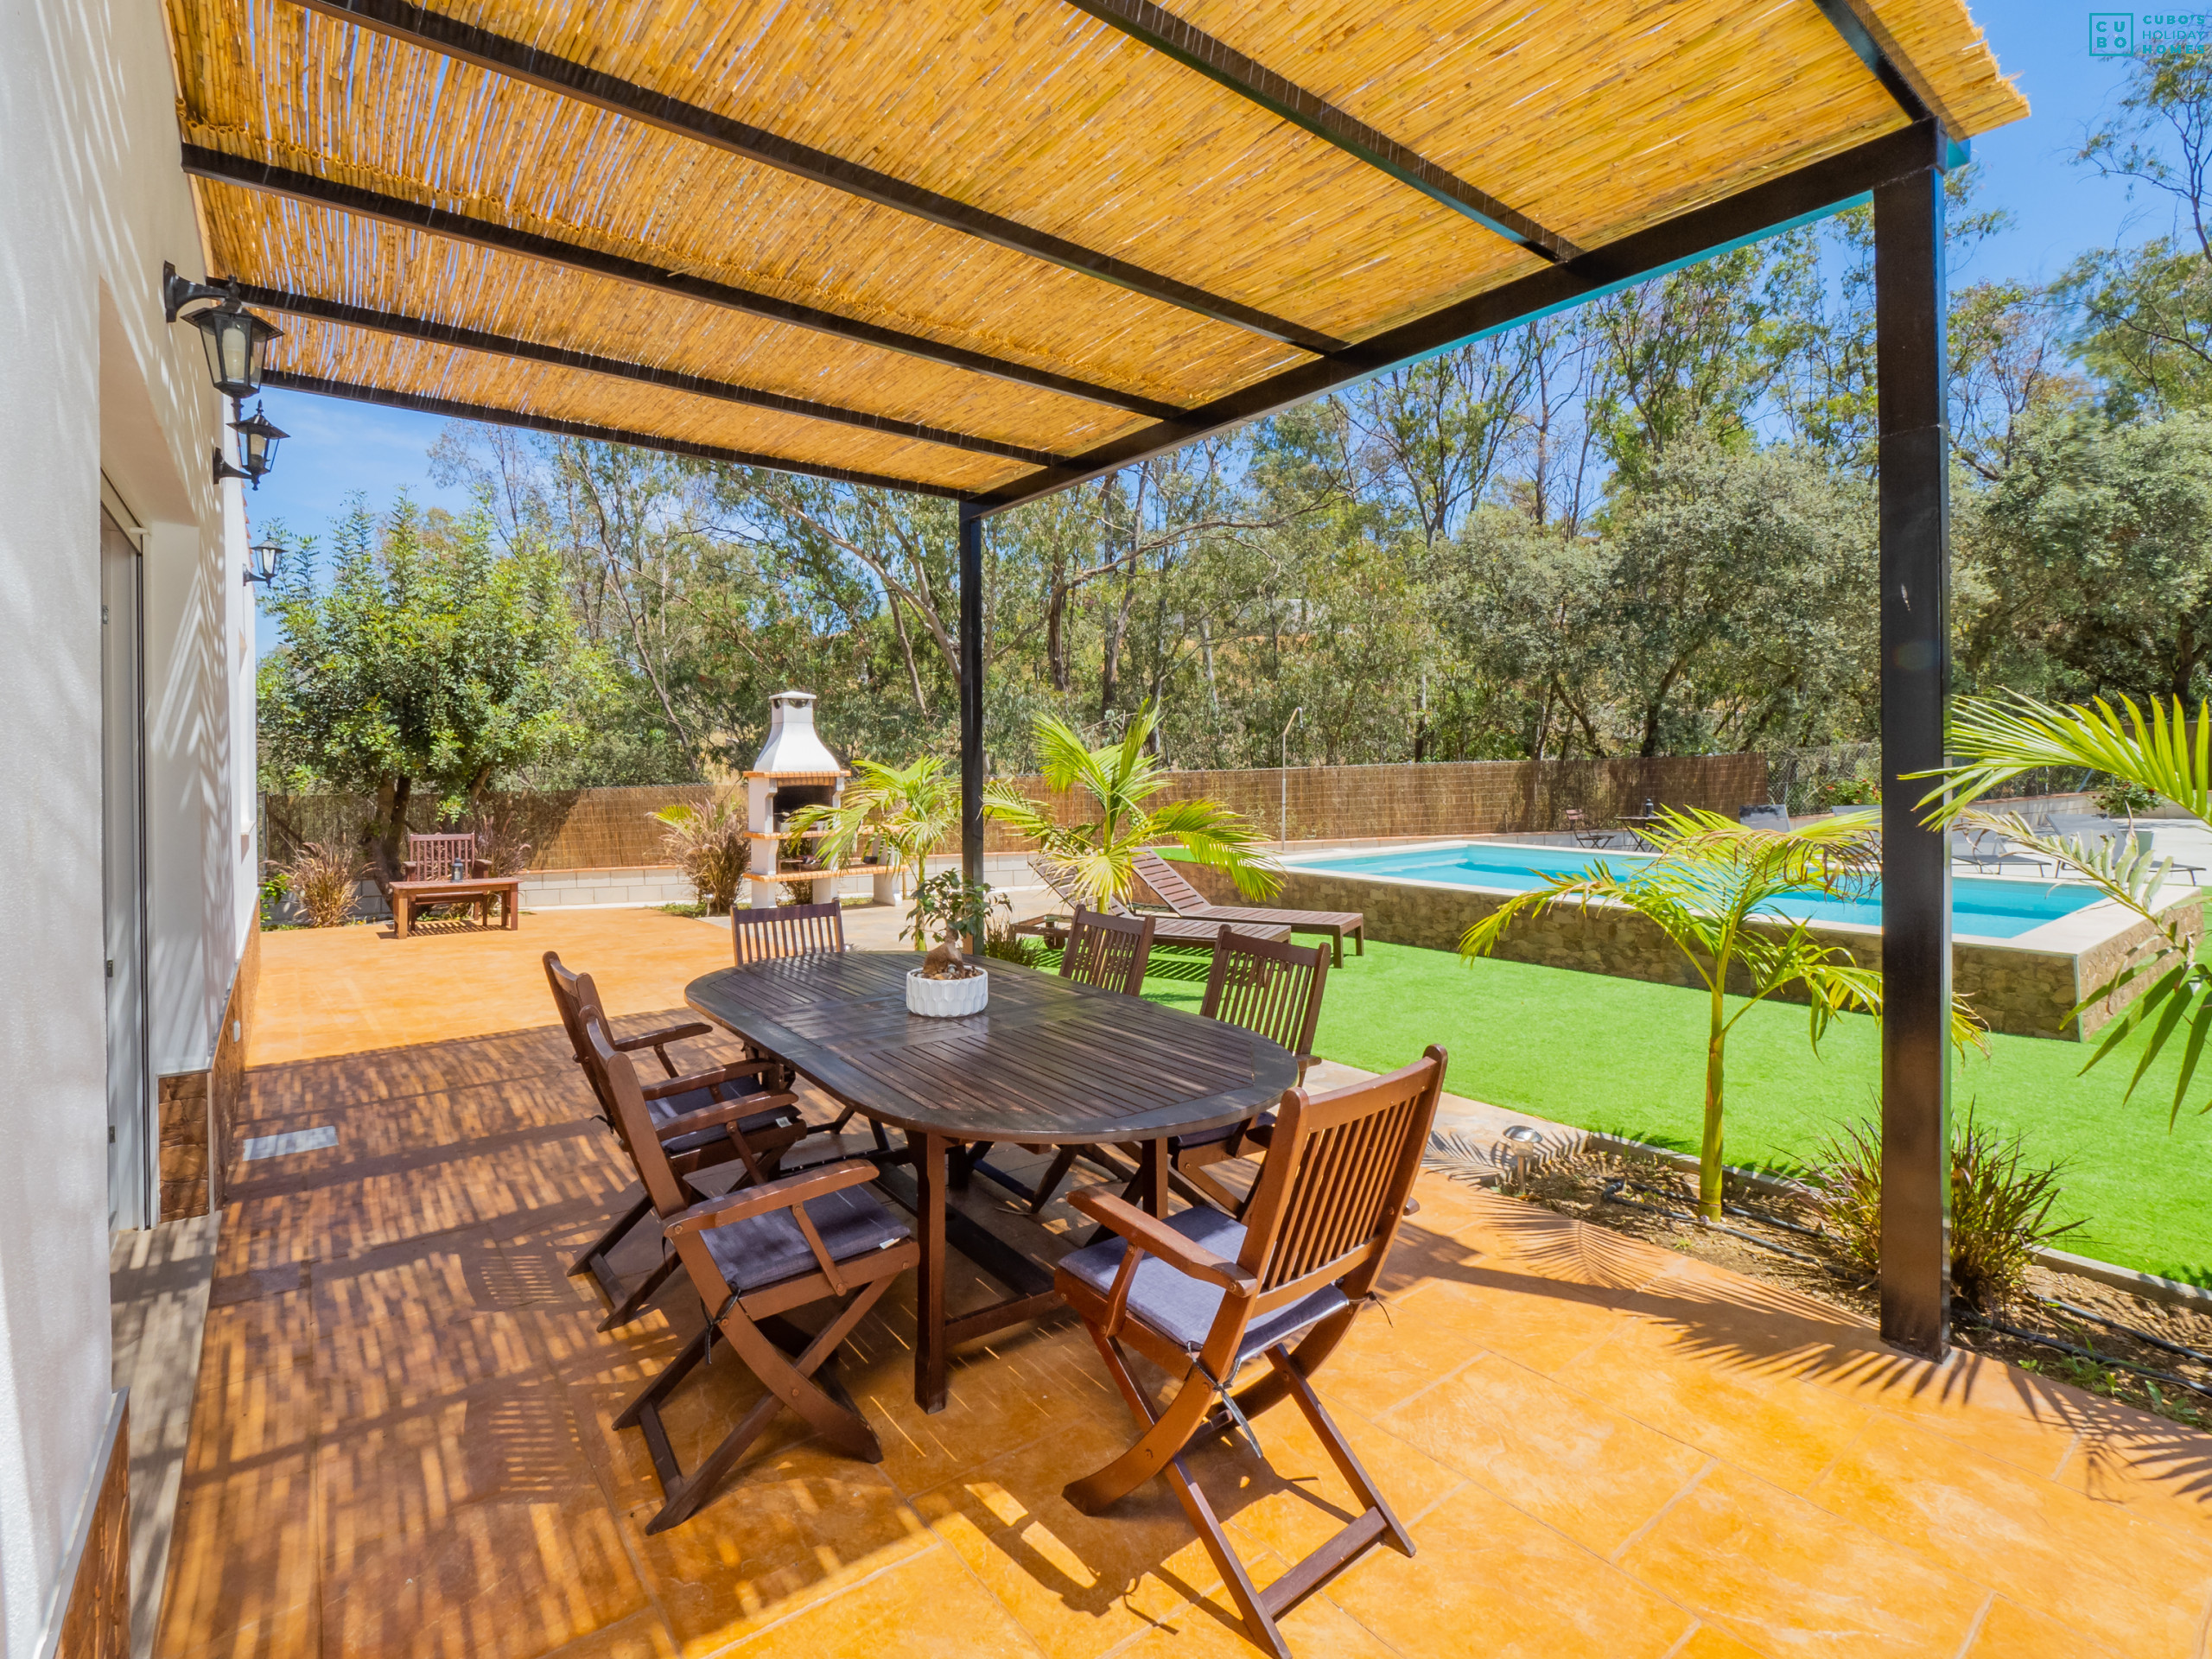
x=1097 y=853
x=909 y=810
x=1995 y=739
x=1719 y=891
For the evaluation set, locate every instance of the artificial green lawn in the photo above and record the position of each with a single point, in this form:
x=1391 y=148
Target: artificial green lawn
x=1629 y=1057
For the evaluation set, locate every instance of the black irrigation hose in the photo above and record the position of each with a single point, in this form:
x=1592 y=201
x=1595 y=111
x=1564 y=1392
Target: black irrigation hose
x=2143 y=1336
x=1613 y=1194
x=1966 y=1317
x=1738 y=1209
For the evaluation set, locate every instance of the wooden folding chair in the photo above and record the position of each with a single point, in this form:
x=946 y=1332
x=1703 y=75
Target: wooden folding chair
x=729 y=1113
x=1265 y=987
x=786 y=930
x=1201 y=1296
x=754 y=1254
x=1110 y=953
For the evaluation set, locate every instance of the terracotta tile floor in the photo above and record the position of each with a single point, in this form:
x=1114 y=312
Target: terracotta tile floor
x=402 y=1439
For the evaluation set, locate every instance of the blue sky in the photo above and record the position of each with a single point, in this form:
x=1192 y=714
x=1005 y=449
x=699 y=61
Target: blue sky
x=336 y=447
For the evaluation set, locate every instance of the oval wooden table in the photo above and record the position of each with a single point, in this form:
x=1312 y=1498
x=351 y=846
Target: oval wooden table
x=1050 y=1061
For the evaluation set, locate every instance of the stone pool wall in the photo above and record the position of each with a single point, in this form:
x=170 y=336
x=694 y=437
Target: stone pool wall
x=2022 y=992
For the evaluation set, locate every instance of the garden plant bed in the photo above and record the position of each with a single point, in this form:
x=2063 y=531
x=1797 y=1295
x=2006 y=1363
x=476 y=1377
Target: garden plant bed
x=1633 y=1196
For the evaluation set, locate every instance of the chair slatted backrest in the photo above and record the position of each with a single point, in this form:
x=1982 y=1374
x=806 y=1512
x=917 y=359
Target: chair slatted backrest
x=616 y=1080
x=1164 y=879
x=1334 y=1186
x=569 y=990
x=1272 y=989
x=764 y=935
x=436 y=853
x=1108 y=951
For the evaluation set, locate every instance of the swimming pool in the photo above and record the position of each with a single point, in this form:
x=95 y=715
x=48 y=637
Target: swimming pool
x=1984 y=906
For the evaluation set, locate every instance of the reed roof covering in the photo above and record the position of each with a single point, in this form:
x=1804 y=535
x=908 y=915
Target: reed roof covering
x=984 y=250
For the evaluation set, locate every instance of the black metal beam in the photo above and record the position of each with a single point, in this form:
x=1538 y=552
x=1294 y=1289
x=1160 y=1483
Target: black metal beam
x=252 y=175
x=1194 y=48
x=285 y=381
x=475 y=339
x=418 y=26
x=1911 y=367
x=1765 y=208
x=1877 y=53
x=972 y=692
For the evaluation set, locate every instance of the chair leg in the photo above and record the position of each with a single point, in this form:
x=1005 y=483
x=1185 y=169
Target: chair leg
x=635 y=1303
x=1063 y=1161
x=789 y=1380
x=594 y=1260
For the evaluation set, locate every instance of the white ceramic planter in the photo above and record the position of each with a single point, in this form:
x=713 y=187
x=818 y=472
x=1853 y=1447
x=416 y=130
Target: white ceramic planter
x=947 y=998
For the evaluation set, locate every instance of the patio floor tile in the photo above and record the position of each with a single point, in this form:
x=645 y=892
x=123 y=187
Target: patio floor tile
x=1788 y=1577
x=1486 y=1574
x=404 y=1441
x=2143 y=1589
x=1572 y=1463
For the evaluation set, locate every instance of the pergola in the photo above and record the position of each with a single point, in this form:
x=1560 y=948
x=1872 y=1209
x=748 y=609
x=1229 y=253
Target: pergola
x=987 y=252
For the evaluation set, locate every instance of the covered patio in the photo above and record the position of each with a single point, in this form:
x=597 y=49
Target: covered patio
x=404 y=1439
x=989 y=254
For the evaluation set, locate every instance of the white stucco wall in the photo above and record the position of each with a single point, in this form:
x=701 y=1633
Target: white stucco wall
x=91 y=203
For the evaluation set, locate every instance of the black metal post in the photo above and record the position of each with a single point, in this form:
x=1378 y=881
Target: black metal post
x=1912 y=366
x=971 y=691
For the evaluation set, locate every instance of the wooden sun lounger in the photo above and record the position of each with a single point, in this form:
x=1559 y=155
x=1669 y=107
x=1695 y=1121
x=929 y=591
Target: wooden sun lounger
x=1167 y=929
x=1186 y=901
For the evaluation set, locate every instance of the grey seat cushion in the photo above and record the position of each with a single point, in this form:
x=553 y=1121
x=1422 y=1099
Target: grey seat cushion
x=697 y=1100
x=765 y=1249
x=1182 y=1309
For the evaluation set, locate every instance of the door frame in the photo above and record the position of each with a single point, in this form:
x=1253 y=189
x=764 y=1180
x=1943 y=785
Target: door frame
x=114 y=507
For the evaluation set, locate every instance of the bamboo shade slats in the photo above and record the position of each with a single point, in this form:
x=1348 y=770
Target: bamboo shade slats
x=1597 y=118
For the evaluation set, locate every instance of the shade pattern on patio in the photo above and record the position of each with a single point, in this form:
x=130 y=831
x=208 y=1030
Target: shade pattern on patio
x=983 y=250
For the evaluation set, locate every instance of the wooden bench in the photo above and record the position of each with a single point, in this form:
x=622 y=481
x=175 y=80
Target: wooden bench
x=408 y=897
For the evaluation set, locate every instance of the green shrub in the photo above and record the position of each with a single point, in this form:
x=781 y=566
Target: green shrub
x=2000 y=1207
x=710 y=842
x=324 y=880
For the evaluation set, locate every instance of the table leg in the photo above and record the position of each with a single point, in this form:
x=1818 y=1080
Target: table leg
x=511 y=909
x=1155 y=1177
x=400 y=908
x=929 y=1276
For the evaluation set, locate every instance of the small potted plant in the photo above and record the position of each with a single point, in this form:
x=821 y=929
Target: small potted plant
x=947 y=985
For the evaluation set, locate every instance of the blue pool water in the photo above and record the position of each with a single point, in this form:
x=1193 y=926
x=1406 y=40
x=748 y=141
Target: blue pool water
x=1988 y=907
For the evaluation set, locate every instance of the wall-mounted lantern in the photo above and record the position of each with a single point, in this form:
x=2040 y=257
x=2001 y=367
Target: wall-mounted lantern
x=262 y=560
x=235 y=340
x=257 y=440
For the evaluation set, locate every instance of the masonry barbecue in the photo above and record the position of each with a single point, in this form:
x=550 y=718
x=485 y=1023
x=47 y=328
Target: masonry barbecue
x=794 y=769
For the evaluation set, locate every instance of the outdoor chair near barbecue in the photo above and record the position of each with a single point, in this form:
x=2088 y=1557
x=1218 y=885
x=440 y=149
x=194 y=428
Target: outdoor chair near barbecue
x=763 y=934
x=728 y=1113
x=1201 y=1296
x=753 y=1254
x=769 y=932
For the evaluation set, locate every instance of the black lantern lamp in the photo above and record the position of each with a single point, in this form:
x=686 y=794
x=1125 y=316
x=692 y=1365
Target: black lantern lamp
x=262 y=560
x=257 y=440
x=235 y=340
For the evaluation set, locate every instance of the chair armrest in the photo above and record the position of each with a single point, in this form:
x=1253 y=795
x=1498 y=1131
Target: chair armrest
x=727 y=1111
x=667 y=1034
x=788 y=1193
x=735 y=1072
x=480 y=866
x=1156 y=1238
x=407 y=870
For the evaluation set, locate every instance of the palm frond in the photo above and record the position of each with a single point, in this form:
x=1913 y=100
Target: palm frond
x=1997 y=739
